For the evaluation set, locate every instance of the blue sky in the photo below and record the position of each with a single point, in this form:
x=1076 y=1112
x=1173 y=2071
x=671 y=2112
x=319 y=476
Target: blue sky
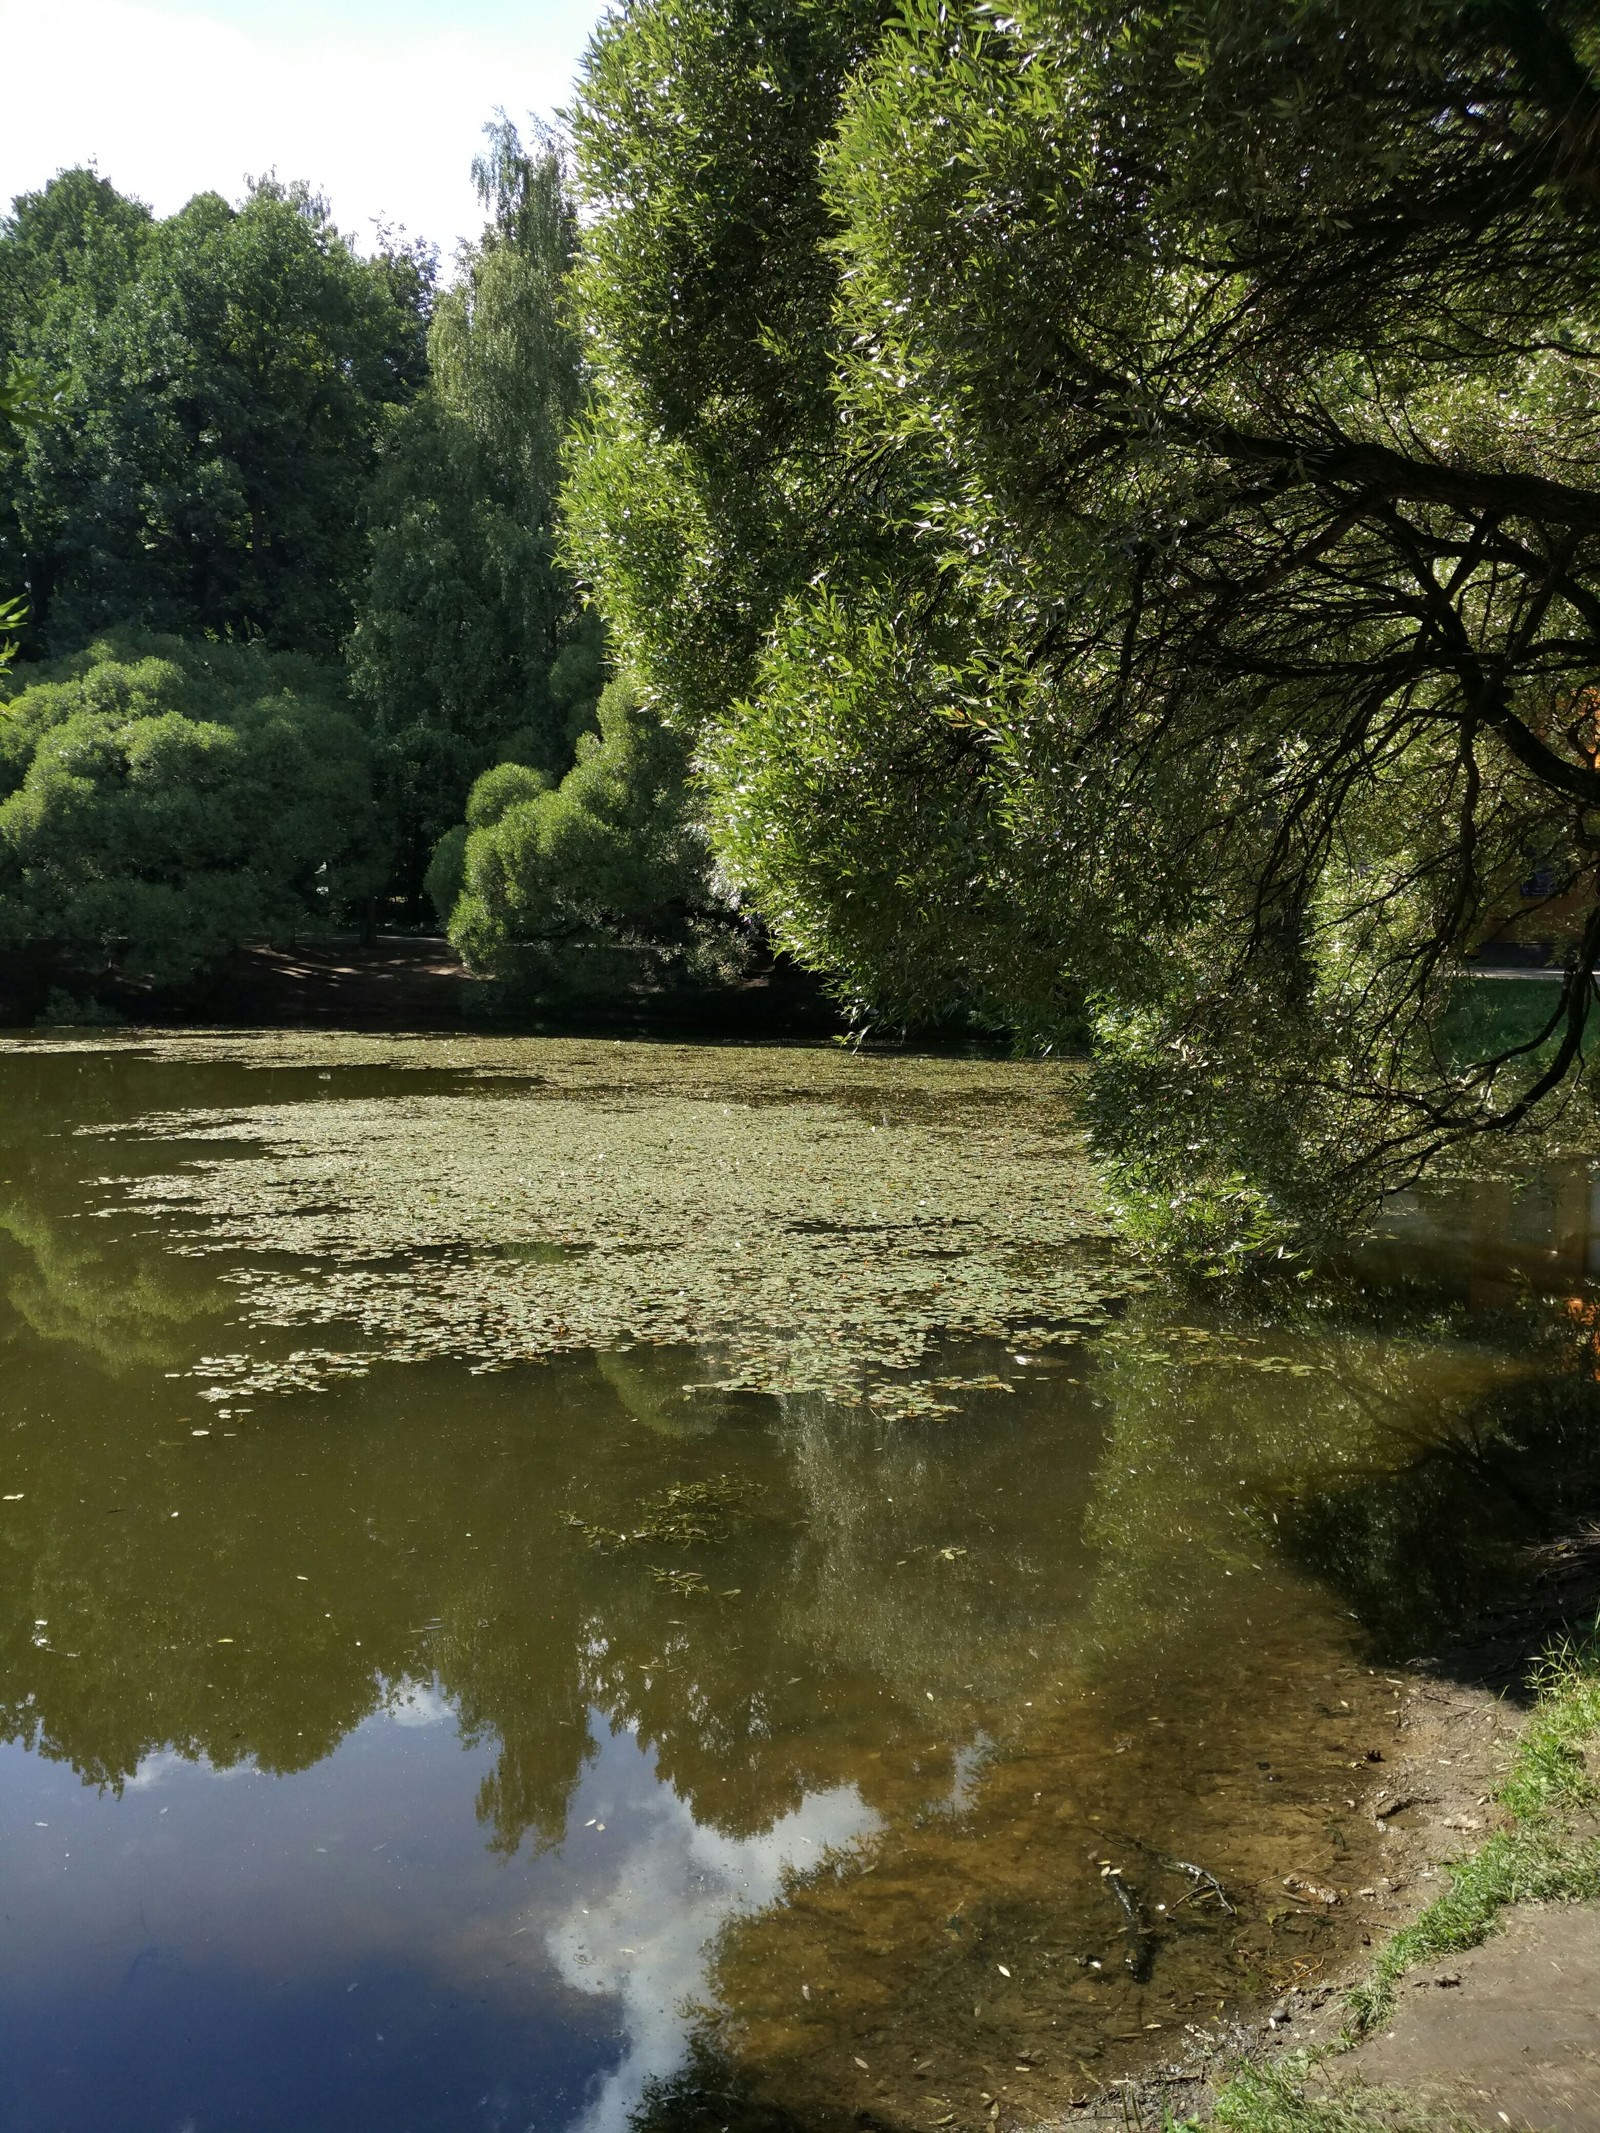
x=377 y=102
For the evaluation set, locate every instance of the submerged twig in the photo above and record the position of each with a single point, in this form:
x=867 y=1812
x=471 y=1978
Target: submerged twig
x=1141 y=1955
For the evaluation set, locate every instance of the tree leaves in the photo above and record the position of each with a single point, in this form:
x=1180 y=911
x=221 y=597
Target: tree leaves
x=1151 y=575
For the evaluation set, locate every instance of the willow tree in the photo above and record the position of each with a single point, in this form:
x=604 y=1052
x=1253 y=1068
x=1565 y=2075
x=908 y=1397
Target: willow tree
x=1218 y=384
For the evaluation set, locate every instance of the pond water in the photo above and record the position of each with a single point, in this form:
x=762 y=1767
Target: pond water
x=552 y=1585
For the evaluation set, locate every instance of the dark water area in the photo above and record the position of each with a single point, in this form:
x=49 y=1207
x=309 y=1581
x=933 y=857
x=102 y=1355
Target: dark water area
x=435 y=1745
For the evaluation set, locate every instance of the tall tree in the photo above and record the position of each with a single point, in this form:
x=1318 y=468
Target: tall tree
x=614 y=850
x=715 y=478
x=1222 y=375
x=221 y=376
x=472 y=646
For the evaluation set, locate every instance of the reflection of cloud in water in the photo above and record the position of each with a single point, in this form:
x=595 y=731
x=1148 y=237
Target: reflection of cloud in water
x=164 y=1763
x=419 y=1703
x=969 y=1764
x=643 y=1937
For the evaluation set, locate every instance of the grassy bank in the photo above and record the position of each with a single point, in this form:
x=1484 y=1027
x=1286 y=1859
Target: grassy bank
x=1546 y=1852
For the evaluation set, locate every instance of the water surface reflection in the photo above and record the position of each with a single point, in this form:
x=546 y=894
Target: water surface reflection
x=445 y=1748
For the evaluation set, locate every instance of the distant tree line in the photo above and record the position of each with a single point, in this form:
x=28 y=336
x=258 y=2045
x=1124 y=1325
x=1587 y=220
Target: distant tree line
x=278 y=526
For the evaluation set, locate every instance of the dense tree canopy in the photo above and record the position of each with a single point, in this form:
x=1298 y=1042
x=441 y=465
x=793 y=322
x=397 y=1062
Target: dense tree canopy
x=472 y=646
x=23 y=406
x=716 y=479
x=162 y=803
x=1115 y=491
x=221 y=376
x=1094 y=509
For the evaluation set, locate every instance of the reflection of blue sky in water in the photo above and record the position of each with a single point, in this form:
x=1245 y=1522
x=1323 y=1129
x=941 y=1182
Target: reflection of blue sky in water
x=667 y=1885
x=328 y=1948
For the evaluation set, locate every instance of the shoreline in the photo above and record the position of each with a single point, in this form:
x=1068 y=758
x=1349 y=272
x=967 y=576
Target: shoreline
x=1495 y=1883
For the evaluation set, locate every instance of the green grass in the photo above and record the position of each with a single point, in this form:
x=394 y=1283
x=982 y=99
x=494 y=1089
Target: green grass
x=1274 y=2099
x=1541 y=1856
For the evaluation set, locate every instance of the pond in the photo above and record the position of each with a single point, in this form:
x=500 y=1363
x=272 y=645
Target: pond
x=546 y=1585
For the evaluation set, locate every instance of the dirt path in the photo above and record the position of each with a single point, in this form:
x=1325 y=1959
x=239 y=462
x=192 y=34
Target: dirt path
x=1507 y=2034
x=405 y=982
x=395 y=982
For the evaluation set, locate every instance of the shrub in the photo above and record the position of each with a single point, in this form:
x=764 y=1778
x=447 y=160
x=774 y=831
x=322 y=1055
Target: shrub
x=163 y=802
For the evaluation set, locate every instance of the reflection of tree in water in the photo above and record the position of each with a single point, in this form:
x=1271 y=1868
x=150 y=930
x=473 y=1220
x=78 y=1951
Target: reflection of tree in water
x=1409 y=1474
x=1196 y=1619
x=68 y=1277
x=1217 y=1447
x=882 y=1599
x=410 y=1526
x=710 y=2093
x=1420 y=1556
x=77 y=1290
x=1130 y=1531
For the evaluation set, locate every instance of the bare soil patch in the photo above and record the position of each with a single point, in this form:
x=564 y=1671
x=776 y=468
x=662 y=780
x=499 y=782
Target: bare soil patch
x=1507 y=2034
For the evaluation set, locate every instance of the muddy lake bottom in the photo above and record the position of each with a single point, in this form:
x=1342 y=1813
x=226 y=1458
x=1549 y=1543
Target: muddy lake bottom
x=568 y=1585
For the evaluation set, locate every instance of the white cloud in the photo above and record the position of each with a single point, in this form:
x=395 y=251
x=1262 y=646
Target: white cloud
x=164 y=1763
x=643 y=1941
x=167 y=104
x=419 y=1703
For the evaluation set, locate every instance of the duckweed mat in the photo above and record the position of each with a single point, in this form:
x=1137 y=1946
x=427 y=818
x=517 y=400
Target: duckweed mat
x=809 y=1220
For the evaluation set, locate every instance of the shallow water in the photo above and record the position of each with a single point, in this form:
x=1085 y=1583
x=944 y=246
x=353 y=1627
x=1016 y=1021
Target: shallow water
x=896 y=1672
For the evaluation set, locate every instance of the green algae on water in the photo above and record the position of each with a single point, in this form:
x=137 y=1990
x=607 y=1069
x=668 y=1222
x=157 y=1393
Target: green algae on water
x=809 y=1221
x=682 y=1515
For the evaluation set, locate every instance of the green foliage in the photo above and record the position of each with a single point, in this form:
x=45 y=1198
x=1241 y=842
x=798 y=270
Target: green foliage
x=706 y=486
x=613 y=848
x=495 y=793
x=62 y=1010
x=1115 y=497
x=471 y=644
x=499 y=790
x=164 y=802
x=24 y=405
x=221 y=376
x=855 y=788
x=1274 y=2098
x=447 y=873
